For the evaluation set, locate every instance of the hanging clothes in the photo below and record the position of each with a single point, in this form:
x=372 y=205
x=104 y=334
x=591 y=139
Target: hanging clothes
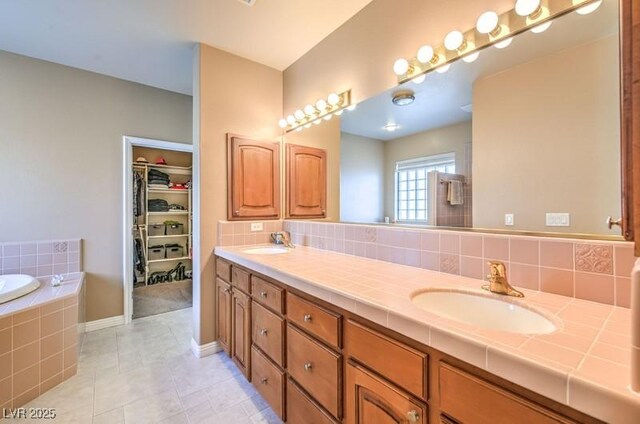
x=138 y=194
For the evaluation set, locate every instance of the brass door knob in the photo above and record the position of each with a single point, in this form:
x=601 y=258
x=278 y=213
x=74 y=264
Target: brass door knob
x=307 y=318
x=264 y=380
x=413 y=416
x=264 y=332
x=611 y=222
x=263 y=294
x=308 y=366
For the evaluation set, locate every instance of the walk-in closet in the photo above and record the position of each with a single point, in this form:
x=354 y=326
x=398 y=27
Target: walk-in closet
x=162 y=230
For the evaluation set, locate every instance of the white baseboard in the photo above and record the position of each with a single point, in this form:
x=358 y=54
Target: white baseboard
x=104 y=323
x=201 y=351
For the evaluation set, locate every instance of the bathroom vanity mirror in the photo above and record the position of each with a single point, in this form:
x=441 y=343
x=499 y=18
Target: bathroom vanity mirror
x=525 y=138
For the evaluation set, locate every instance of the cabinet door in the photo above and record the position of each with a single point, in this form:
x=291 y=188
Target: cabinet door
x=253 y=180
x=306 y=182
x=224 y=314
x=241 y=331
x=371 y=400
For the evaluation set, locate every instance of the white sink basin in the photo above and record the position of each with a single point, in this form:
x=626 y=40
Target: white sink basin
x=266 y=250
x=484 y=310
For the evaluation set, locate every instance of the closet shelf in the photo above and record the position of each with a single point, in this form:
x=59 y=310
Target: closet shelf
x=168 y=191
x=172 y=236
x=169 y=213
x=184 y=258
x=175 y=170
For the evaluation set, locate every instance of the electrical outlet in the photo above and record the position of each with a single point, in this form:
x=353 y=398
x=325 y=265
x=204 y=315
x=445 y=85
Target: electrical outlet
x=508 y=219
x=558 y=220
x=256 y=226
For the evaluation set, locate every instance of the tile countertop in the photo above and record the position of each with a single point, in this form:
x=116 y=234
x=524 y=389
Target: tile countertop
x=585 y=364
x=44 y=294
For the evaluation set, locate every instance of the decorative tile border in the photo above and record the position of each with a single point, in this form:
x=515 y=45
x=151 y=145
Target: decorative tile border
x=41 y=258
x=599 y=271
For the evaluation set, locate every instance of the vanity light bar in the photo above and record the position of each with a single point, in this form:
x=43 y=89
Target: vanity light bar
x=314 y=114
x=491 y=29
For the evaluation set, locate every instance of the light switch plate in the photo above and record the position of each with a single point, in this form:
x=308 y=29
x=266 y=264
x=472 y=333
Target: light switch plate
x=558 y=220
x=508 y=219
x=256 y=226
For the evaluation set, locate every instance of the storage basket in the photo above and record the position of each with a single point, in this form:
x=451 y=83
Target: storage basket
x=173 y=251
x=156 y=229
x=156 y=252
x=175 y=229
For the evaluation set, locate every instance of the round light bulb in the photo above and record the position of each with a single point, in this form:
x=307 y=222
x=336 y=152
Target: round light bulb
x=299 y=114
x=327 y=117
x=453 y=40
x=487 y=22
x=527 y=7
x=308 y=125
x=443 y=69
x=425 y=54
x=401 y=66
x=541 y=28
x=317 y=122
x=321 y=105
x=585 y=10
x=419 y=79
x=471 y=57
x=504 y=43
x=352 y=107
x=333 y=99
x=282 y=123
x=291 y=120
x=338 y=113
x=299 y=129
x=309 y=110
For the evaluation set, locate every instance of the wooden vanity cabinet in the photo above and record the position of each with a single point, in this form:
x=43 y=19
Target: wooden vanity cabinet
x=253 y=179
x=306 y=182
x=241 y=331
x=223 y=312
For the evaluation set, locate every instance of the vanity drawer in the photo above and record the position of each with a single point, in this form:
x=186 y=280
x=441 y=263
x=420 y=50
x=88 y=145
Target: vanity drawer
x=267 y=294
x=399 y=363
x=223 y=269
x=240 y=279
x=268 y=333
x=302 y=409
x=318 y=321
x=316 y=368
x=268 y=380
x=491 y=404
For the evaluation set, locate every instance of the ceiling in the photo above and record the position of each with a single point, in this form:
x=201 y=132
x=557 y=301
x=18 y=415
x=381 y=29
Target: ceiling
x=151 y=41
x=440 y=97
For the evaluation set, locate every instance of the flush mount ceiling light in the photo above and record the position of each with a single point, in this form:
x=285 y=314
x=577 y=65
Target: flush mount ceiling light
x=488 y=23
x=314 y=114
x=391 y=127
x=585 y=10
x=403 y=98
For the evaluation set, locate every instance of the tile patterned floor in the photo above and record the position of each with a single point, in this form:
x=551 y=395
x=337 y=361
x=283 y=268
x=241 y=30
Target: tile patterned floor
x=145 y=373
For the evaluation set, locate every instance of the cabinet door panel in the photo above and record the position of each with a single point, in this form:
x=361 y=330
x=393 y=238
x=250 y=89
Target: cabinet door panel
x=371 y=400
x=306 y=182
x=241 y=331
x=253 y=178
x=224 y=314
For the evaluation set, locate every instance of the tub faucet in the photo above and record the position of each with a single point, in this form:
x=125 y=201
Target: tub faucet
x=498 y=280
x=282 y=237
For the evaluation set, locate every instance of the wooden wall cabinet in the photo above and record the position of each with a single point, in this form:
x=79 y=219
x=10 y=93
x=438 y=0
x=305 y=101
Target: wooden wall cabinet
x=253 y=179
x=306 y=181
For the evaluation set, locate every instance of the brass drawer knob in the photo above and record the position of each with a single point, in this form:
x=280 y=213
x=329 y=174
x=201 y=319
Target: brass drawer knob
x=611 y=222
x=264 y=332
x=265 y=380
x=227 y=290
x=413 y=416
x=307 y=318
x=308 y=366
x=263 y=294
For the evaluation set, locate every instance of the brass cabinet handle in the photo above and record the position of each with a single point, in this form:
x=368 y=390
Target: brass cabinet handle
x=413 y=416
x=264 y=331
x=307 y=318
x=227 y=290
x=308 y=366
x=236 y=213
x=265 y=380
x=611 y=222
x=263 y=294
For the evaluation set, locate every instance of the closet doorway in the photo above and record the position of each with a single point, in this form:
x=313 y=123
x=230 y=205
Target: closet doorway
x=158 y=227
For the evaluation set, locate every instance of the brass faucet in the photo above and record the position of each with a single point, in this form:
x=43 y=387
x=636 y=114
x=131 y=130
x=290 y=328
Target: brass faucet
x=282 y=237
x=498 y=280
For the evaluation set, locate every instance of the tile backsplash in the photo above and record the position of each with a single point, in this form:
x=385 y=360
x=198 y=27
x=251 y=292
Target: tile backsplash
x=240 y=234
x=41 y=258
x=586 y=269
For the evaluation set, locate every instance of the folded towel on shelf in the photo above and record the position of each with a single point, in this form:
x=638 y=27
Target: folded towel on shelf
x=455 y=195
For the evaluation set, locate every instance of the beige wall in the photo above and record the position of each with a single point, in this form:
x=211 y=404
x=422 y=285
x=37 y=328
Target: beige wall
x=361 y=179
x=238 y=96
x=546 y=139
x=440 y=140
x=61 y=160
